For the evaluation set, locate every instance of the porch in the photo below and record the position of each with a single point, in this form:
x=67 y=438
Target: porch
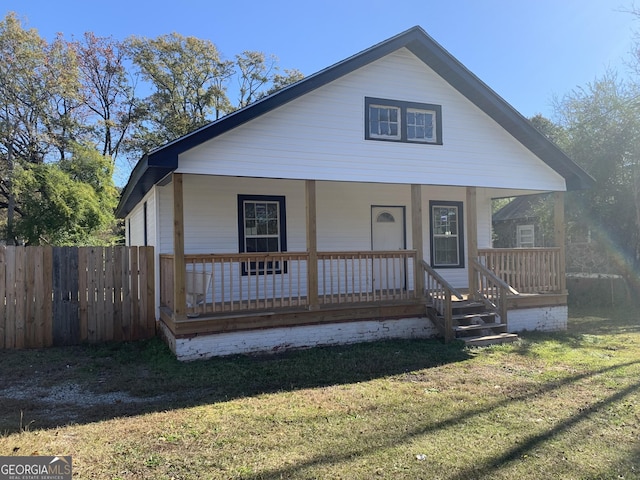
x=218 y=294
x=235 y=292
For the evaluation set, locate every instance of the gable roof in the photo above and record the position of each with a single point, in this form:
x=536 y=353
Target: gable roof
x=161 y=161
x=520 y=208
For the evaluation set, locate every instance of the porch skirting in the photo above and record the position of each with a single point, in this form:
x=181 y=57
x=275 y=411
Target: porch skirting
x=547 y=319
x=273 y=340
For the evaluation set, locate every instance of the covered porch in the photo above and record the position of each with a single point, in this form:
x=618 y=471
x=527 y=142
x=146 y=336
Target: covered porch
x=202 y=294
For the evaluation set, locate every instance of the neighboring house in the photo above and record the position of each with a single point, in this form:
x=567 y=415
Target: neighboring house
x=353 y=205
x=520 y=223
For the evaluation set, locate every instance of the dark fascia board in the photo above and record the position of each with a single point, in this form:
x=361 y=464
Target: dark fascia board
x=165 y=158
x=143 y=177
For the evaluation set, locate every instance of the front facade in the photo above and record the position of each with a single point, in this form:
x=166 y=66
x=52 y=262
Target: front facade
x=345 y=208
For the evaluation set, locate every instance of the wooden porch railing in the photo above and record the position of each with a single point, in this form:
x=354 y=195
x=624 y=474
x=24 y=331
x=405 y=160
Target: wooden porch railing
x=528 y=270
x=244 y=282
x=237 y=282
x=353 y=277
x=490 y=289
x=439 y=295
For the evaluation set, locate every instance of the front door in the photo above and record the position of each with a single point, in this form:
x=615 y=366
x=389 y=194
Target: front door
x=388 y=234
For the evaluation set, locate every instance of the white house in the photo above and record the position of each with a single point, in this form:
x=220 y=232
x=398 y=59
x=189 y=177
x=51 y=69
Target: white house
x=352 y=205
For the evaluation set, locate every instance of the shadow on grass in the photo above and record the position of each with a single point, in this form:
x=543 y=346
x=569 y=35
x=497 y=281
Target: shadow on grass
x=584 y=326
x=57 y=386
x=479 y=469
x=604 y=321
x=528 y=446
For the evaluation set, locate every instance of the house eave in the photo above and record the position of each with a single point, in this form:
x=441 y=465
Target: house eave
x=147 y=172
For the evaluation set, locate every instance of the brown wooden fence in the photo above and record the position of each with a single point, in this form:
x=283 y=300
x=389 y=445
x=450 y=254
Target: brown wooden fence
x=69 y=295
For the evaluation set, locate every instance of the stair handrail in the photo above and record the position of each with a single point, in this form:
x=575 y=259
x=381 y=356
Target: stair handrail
x=491 y=289
x=494 y=278
x=439 y=292
x=439 y=279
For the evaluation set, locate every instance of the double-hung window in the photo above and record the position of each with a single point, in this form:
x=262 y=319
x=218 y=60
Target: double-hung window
x=447 y=234
x=398 y=121
x=261 y=228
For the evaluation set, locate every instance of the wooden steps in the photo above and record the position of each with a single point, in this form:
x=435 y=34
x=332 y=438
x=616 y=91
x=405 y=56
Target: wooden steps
x=485 y=326
x=474 y=324
x=490 y=339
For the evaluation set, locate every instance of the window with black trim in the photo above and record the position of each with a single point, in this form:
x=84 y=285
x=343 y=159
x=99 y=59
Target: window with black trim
x=262 y=228
x=397 y=121
x=145 y=215
x=447 y=234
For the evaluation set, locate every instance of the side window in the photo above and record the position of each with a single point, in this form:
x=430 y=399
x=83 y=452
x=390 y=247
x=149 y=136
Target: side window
x=261 y=228
x=447 y=234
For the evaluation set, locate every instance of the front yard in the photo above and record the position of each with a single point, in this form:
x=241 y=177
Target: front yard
x=549 y=406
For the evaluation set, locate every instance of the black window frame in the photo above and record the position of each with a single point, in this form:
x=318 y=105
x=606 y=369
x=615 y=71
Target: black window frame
x=403 y=106
x=145 y=222
x=258 y=268
x=460 y=220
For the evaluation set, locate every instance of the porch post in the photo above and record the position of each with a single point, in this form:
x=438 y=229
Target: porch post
x=179 y=296
x=559 y=237
x=312 y=246
x=472 y=236
x=417 y=237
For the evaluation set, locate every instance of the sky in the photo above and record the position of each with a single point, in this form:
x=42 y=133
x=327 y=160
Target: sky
x=528 y=51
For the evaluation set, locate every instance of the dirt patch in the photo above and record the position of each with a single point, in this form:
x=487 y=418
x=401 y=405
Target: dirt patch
x=29 y=405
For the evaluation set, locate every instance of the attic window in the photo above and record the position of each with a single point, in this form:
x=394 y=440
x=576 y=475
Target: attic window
x=398 y=121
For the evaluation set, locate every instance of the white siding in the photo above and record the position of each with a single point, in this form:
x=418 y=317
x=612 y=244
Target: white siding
x=135 y=226
x=165 y=218
x=343 y=214
x=135 y=221
x=321 y=136
x=483 y=207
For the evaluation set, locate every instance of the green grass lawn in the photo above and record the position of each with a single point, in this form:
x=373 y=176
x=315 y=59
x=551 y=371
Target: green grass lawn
x=564 y=405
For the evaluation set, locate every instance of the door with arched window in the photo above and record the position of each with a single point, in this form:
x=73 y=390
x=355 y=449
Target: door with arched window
x=388 y=234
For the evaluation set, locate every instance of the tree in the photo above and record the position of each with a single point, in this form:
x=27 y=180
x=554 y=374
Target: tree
x=38 y=94
x=552 y=131
x=188 y=77
x=108 y=91
x=255 y=71
x=70 y=202
x=602 y=126
x=280 y=81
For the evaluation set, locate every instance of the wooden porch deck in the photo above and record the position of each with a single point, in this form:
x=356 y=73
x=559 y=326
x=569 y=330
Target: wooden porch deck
x=225 y=320
x=260 y=291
